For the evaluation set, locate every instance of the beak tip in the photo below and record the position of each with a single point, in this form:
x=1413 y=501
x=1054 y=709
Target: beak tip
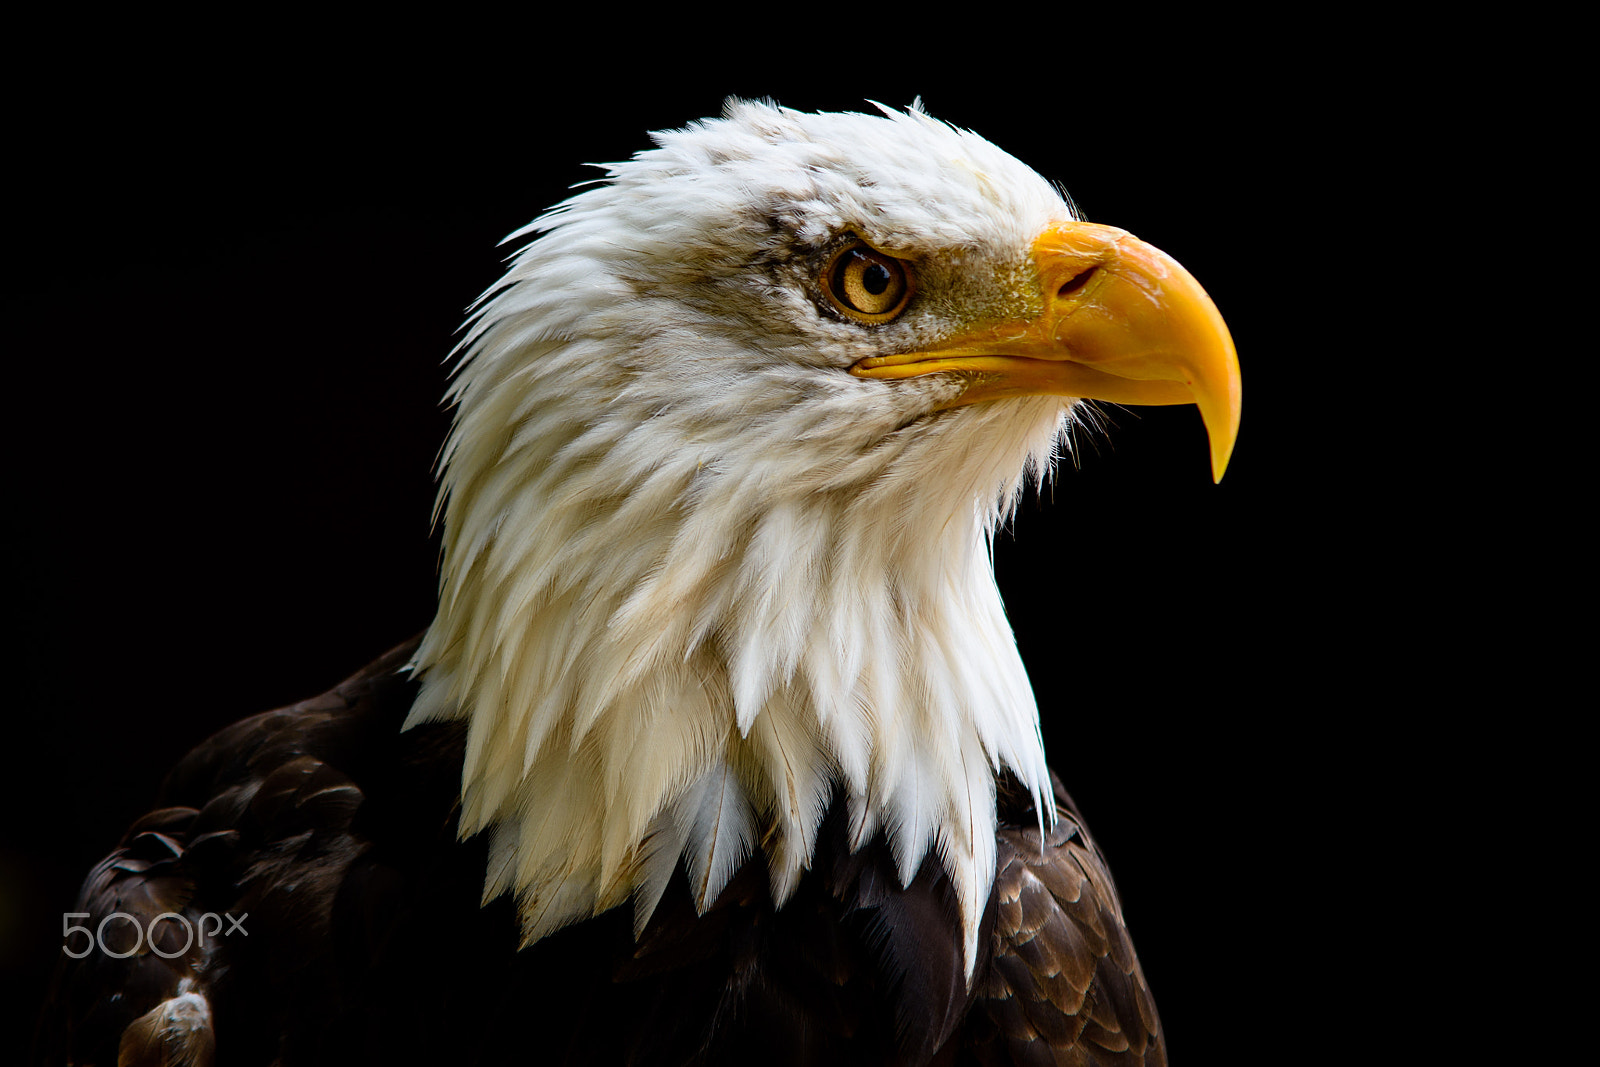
x=1223 y=430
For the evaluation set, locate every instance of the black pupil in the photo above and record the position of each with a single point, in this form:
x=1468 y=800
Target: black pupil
x=875 y=279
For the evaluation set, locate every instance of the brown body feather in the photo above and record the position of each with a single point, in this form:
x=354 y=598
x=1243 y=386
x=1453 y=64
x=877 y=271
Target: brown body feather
x=332 y=836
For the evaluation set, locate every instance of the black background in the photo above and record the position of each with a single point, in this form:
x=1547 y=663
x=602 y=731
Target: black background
x=238 y=262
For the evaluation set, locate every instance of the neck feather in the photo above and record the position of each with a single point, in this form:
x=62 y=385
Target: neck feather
x=676 y=647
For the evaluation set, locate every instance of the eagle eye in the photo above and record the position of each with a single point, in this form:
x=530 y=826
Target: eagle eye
x=867 y=285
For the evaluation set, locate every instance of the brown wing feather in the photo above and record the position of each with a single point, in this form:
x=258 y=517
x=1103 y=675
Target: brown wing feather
x=258 y=829
x=129 y=963
x=1064 y=986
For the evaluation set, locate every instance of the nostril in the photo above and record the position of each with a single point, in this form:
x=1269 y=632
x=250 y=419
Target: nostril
x=1075 y=283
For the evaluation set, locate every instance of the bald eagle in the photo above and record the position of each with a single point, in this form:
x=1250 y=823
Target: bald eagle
x=719 y=748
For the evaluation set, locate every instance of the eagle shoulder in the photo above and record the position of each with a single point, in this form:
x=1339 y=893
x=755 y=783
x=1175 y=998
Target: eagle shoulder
x=1063 y=985
x=262 y=828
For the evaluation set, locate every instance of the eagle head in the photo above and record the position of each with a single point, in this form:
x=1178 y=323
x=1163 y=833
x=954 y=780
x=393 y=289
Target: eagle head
x=731 y=438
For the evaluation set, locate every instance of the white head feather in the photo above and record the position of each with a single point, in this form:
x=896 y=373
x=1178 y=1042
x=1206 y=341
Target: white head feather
x=696 y=574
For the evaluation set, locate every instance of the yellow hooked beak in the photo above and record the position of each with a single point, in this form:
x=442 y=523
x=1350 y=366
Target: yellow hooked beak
x=1122 y=322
